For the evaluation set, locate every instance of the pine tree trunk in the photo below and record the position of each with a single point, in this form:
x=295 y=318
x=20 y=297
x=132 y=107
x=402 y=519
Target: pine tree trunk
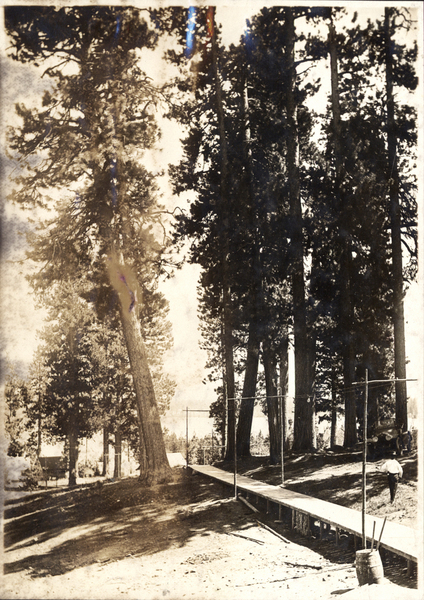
x=333 y=409
x=229 y=375
x=226 y=294
x=395 y=220
x=151 y=437
x=348 y=355
x=118 y=453
x=346 y=313
x=244 y=426
x=105 y=451
x=303 y=418
x=270 y=368
x=284 y=386
x=73 y=451
x=312 y=351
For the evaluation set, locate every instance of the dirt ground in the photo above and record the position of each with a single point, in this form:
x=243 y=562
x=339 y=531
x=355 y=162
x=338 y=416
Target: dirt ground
x=191 y=539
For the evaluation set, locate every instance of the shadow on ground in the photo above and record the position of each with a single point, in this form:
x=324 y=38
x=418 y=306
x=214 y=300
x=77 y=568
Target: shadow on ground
x=123 y=519
x=322 y=475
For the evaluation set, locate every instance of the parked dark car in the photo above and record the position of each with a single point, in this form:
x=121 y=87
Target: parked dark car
x=386 y=437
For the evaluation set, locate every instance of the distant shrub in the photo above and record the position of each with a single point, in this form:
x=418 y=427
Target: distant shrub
x=88 y=469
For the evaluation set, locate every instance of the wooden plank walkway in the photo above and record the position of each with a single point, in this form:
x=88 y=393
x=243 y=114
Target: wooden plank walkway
x=396 y=538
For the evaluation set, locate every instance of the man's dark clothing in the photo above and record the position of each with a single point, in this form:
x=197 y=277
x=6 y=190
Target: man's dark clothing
x=394 y=473
x=393 y=483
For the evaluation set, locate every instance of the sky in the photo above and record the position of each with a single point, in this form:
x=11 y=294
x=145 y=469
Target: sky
x=186 y=362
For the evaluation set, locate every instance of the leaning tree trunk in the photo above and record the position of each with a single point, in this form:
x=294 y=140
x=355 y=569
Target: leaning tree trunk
x=152 y=446
x=395 y=221
x=303 y=418
x=270 y=368
x=158 y=469
x=151 y=440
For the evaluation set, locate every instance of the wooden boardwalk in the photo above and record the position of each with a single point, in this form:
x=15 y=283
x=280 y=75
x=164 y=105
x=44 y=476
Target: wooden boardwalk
x=396 y=538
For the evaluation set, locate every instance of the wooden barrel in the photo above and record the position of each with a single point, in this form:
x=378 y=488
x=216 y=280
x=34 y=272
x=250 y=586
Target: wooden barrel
x=369 y=568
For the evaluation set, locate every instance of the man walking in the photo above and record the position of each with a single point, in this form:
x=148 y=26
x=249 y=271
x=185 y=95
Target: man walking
x=394 y=473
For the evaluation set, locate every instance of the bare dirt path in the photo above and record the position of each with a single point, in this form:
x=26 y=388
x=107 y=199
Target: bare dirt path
x=190 y=539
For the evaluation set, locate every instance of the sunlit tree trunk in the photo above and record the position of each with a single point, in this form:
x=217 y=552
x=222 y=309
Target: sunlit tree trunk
x=158 y=469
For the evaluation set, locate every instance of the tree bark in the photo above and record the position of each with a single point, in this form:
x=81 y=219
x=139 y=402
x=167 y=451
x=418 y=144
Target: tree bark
x=333 y=408
x=105 y=451
x=117 y=474
x=73 y=451
x=244 y=426
x=270 y=368
x=229 y=384
x=151 y=438
x=284 y=386
x=312 y=351
x=346 y=313
x=395 y=221
x=303 y=418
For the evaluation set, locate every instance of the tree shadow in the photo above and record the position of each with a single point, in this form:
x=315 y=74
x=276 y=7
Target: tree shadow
x=126 y=519
x=340 y=488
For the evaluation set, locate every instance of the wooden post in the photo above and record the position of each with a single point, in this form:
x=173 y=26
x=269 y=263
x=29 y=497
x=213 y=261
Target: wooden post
x=280 y=397
x=364 y=462
x=235 y=450
x=187 y=436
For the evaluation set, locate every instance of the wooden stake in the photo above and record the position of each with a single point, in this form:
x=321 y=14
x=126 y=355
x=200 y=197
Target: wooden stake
x=255 y=510
x=372 y=539
x=381 y=533
x=273 y=531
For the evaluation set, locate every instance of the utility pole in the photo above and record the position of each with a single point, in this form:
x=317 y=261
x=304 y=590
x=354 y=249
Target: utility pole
x=235 y=449
x=364 y=455
x=364 y=462
x=187 y=437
